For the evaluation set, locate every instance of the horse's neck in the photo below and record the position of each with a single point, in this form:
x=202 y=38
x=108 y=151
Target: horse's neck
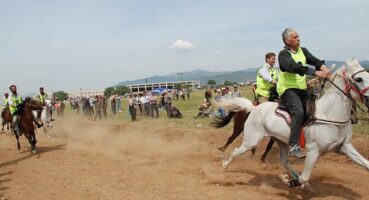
x=333 y=104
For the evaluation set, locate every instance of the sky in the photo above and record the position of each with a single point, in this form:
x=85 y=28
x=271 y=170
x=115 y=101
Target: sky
x=78 y=44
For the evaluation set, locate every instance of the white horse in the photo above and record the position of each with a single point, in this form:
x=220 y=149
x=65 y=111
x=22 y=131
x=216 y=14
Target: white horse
x=331 y=132
x=46 y=117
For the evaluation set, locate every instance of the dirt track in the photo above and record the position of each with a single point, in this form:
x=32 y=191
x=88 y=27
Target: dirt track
x=89 y=161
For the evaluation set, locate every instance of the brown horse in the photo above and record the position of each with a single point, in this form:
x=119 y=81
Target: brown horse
x=26 y=125
x=6 y=116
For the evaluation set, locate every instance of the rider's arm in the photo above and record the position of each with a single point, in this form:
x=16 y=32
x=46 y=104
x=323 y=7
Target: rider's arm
x=312 y=60
x=287 y=64
x=10 y=101
x=263 y=72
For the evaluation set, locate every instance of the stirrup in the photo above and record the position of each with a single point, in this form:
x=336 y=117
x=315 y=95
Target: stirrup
x=296 y=151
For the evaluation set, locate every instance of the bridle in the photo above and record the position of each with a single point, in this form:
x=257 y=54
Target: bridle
x=349 y=85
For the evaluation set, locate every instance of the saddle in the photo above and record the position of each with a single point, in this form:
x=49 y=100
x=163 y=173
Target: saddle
x=309 y=115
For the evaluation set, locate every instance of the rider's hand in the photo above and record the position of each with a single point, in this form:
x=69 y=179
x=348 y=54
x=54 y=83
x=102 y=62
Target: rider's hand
x=324 y=68
x=322 y=74
x=273 y=82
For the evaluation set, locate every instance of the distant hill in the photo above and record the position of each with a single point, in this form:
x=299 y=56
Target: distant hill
x=203 y=76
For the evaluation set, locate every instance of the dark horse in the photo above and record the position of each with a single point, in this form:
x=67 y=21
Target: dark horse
x=7 y=118
x=239 y=123
x=26 y=125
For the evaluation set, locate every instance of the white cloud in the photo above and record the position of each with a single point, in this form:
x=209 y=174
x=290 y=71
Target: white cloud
x=181 y=44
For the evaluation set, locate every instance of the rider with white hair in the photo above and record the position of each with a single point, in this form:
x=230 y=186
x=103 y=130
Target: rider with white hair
x=291 y=85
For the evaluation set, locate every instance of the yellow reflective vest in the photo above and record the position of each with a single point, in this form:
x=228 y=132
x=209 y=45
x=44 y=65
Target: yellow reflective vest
x=263 y=86
x=289 y=80
x=42 y=97
x=17 y=100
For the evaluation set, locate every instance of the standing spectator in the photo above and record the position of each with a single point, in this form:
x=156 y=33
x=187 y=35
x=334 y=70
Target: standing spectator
x=154 y=105
x=208 y=95
x=168 y=103
x=218 y=97
x=92 y=106
x=131 y=107
x=104 y=106
x=236 y=92
x=182 y=94
x=113 y=105
x=119 y=103
x=146 y=104
x=139 y=102
x=98 y=107
x=188 y=93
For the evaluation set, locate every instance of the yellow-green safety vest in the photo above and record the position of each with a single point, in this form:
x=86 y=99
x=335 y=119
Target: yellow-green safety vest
x=42 y=97
x=289 y=80
x=5 y=102
x=264 y=86
x=16 y=101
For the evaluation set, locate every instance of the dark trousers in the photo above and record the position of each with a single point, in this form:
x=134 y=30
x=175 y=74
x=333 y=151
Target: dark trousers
x=132 y=111
x=154 y=108
x=295 y=101
x=168 y=109
x=147 y=109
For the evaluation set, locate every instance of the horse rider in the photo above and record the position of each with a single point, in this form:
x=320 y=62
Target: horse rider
x=266 y=78
x=292 y=87
x=42 y=96
x=5 y=102
x=15 y=100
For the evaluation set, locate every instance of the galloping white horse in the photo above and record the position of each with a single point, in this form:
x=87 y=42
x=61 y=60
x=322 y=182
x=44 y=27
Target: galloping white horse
x=331 y=132
x=46 y=116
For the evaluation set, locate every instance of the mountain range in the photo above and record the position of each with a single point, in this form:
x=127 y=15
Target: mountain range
x=203 y=76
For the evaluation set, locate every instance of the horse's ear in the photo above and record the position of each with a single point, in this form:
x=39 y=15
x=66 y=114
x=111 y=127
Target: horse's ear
x=348 y=62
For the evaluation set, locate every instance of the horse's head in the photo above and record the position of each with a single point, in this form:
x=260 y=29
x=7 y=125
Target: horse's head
x=357 y=81
x=33 y=104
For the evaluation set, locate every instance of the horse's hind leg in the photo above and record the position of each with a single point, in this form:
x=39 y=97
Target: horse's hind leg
x=269 y=147
x=234 y=135
x=247 y=144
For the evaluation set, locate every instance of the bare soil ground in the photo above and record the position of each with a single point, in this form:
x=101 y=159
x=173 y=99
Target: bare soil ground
x=89 y=160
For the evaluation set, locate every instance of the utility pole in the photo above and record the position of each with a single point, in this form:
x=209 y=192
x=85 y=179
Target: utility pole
x=180 y=75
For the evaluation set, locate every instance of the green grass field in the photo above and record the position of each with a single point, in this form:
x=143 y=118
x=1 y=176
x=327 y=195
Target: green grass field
x=189 y=109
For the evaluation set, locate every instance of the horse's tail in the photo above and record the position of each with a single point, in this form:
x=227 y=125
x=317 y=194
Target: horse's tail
x=220 y=122
x=236 y=104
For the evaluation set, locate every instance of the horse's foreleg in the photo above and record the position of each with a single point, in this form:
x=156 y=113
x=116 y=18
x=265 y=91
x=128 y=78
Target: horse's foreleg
x=311 y=157
x=352 y=153
x=18 y=144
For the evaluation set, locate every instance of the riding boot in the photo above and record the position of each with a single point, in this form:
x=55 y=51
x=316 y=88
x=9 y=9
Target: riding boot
x=296 y=151
x=16 y=128
x=37 y=123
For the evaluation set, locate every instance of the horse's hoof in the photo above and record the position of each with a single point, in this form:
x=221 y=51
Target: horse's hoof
x=225 y=164
x=263 y=165
x=307 y=188
x=222 y=149
x=284 y=178
x=34 y=151
x=294 y=183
